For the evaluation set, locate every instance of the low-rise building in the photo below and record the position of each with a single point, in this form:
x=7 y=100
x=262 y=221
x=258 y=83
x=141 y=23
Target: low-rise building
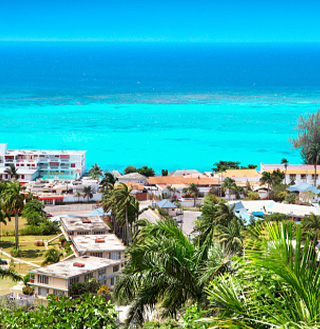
x=168 y=206
x=133 y=178
x=59 y=277
x=73 y=226
x=240 y=175
x=103 y=246
x=184 y=172
x=31 y=164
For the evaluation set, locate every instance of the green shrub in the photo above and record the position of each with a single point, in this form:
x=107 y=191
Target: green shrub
x=27 y=278
x=252 y=196
x=88 y=312
x=291 y=198
x=28 y=290
x=169 y=324
x=15 y=252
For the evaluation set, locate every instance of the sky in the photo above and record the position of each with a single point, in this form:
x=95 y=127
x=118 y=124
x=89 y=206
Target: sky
x=152 y=20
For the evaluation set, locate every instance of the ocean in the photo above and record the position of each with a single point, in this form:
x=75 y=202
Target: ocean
x=164 y=105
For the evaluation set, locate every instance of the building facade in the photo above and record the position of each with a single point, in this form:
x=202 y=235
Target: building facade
x=59 y=277
x=32 y=164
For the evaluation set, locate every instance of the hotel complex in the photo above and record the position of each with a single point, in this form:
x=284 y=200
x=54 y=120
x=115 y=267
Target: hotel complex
x=32 y=164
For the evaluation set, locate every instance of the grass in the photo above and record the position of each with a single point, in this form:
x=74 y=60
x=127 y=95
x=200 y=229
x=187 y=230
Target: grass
x=10 y=225
x=29 y=238
x=5 y=286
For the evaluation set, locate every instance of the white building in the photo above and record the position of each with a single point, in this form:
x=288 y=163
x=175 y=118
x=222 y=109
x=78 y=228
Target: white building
x=32 y=164
x=297 y=173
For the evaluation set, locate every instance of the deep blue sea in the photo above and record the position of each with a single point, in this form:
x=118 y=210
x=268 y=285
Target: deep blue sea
x=164 y=105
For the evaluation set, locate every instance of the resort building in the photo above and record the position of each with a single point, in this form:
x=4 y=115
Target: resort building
x=161 y=184
x=102 y=246
x=32 y=164
x=59 y=277
x=240 y=175
x=297 y=173
x=91 y=225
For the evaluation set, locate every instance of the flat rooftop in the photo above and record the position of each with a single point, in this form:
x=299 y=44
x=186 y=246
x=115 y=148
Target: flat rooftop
x=44 y=152
x=68 y=269
x=97 y=243
x=88 y=223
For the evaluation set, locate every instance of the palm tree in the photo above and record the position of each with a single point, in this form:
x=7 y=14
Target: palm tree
x=87 y=192
x=266 y=178
x=312 y=224
x=123 y=200
x=13 y=203
x=285 y=164
x=95 y=172
x=108 y=180
x=229 y=184
x=193 y=190
x=164 y=270
x=52 y=256
x=12 y=171
x=225 y=214
x=231 y=236
x=279 y=288
x=10 y=273
x=313 y=156
x=78 y=195
x=108 y=203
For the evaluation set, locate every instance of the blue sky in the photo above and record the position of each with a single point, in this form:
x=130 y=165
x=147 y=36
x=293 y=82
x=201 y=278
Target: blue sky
x=175 y=21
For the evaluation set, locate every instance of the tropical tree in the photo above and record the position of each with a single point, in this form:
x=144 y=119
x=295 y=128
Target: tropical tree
x=145 y=171
x=95 y=172
x=12 y=171
x=164 y=268
x=285 y=164
x=193 y=190
x=129 y=170
x=123 y=199
x=266 y=178
x=9 y=273
x=108 y=180
x=231 y=236
x=34 y=212
x=13 y=203
x=87 y=192
x=313 y=156
x=225 y=213
x=229 y=184
x=276 y=286
x=52 y=256
x=311 y=224
x=77 y=194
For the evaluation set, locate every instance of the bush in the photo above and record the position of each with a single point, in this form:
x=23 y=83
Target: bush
x=88 y=312
x=291 y=198
x=252 y=196
x=27 y=290
x=169 y=324
x=39 y=243
x=27 y=278
x=163 y=212
x=45 y=228
x=80 y=288
x=15 y=252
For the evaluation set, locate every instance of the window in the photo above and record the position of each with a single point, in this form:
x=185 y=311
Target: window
x=73 y=280
x=87 y=277
x=115 y=268
x=58 y=292
x=102 y=273
x=73 y=165
x=99 y=232
x=83 y=233
x=115 y=255
x=303 y=176
x=96 y=254
x=113 y=281
x=43 y=279
x=43 y=291
x=22 y=176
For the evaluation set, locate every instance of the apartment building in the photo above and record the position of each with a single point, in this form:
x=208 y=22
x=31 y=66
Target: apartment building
x=59 y=277
x=91 y=225
x=103 y=246
x=297 y=173
x=32 y=164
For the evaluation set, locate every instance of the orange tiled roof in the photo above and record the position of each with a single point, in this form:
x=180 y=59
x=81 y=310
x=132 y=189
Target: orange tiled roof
x=134 y=186
x=241 y=173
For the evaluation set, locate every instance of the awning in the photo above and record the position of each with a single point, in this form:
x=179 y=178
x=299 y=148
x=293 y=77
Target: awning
x=54 y=163
x=50 y=197
x=64 y=156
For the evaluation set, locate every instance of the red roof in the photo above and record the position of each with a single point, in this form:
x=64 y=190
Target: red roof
x=50 y=197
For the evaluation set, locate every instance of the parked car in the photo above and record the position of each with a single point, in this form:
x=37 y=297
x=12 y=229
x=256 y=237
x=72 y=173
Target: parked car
x=49 y=216
x=3 y=261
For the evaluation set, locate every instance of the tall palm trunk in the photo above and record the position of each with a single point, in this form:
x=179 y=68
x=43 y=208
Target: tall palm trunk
x=16 y=229
x=127 y=225
x=315 y=171
x=194 y=200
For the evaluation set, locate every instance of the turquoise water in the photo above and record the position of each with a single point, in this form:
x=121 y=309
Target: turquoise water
x=246 y=129
x=164 y=105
